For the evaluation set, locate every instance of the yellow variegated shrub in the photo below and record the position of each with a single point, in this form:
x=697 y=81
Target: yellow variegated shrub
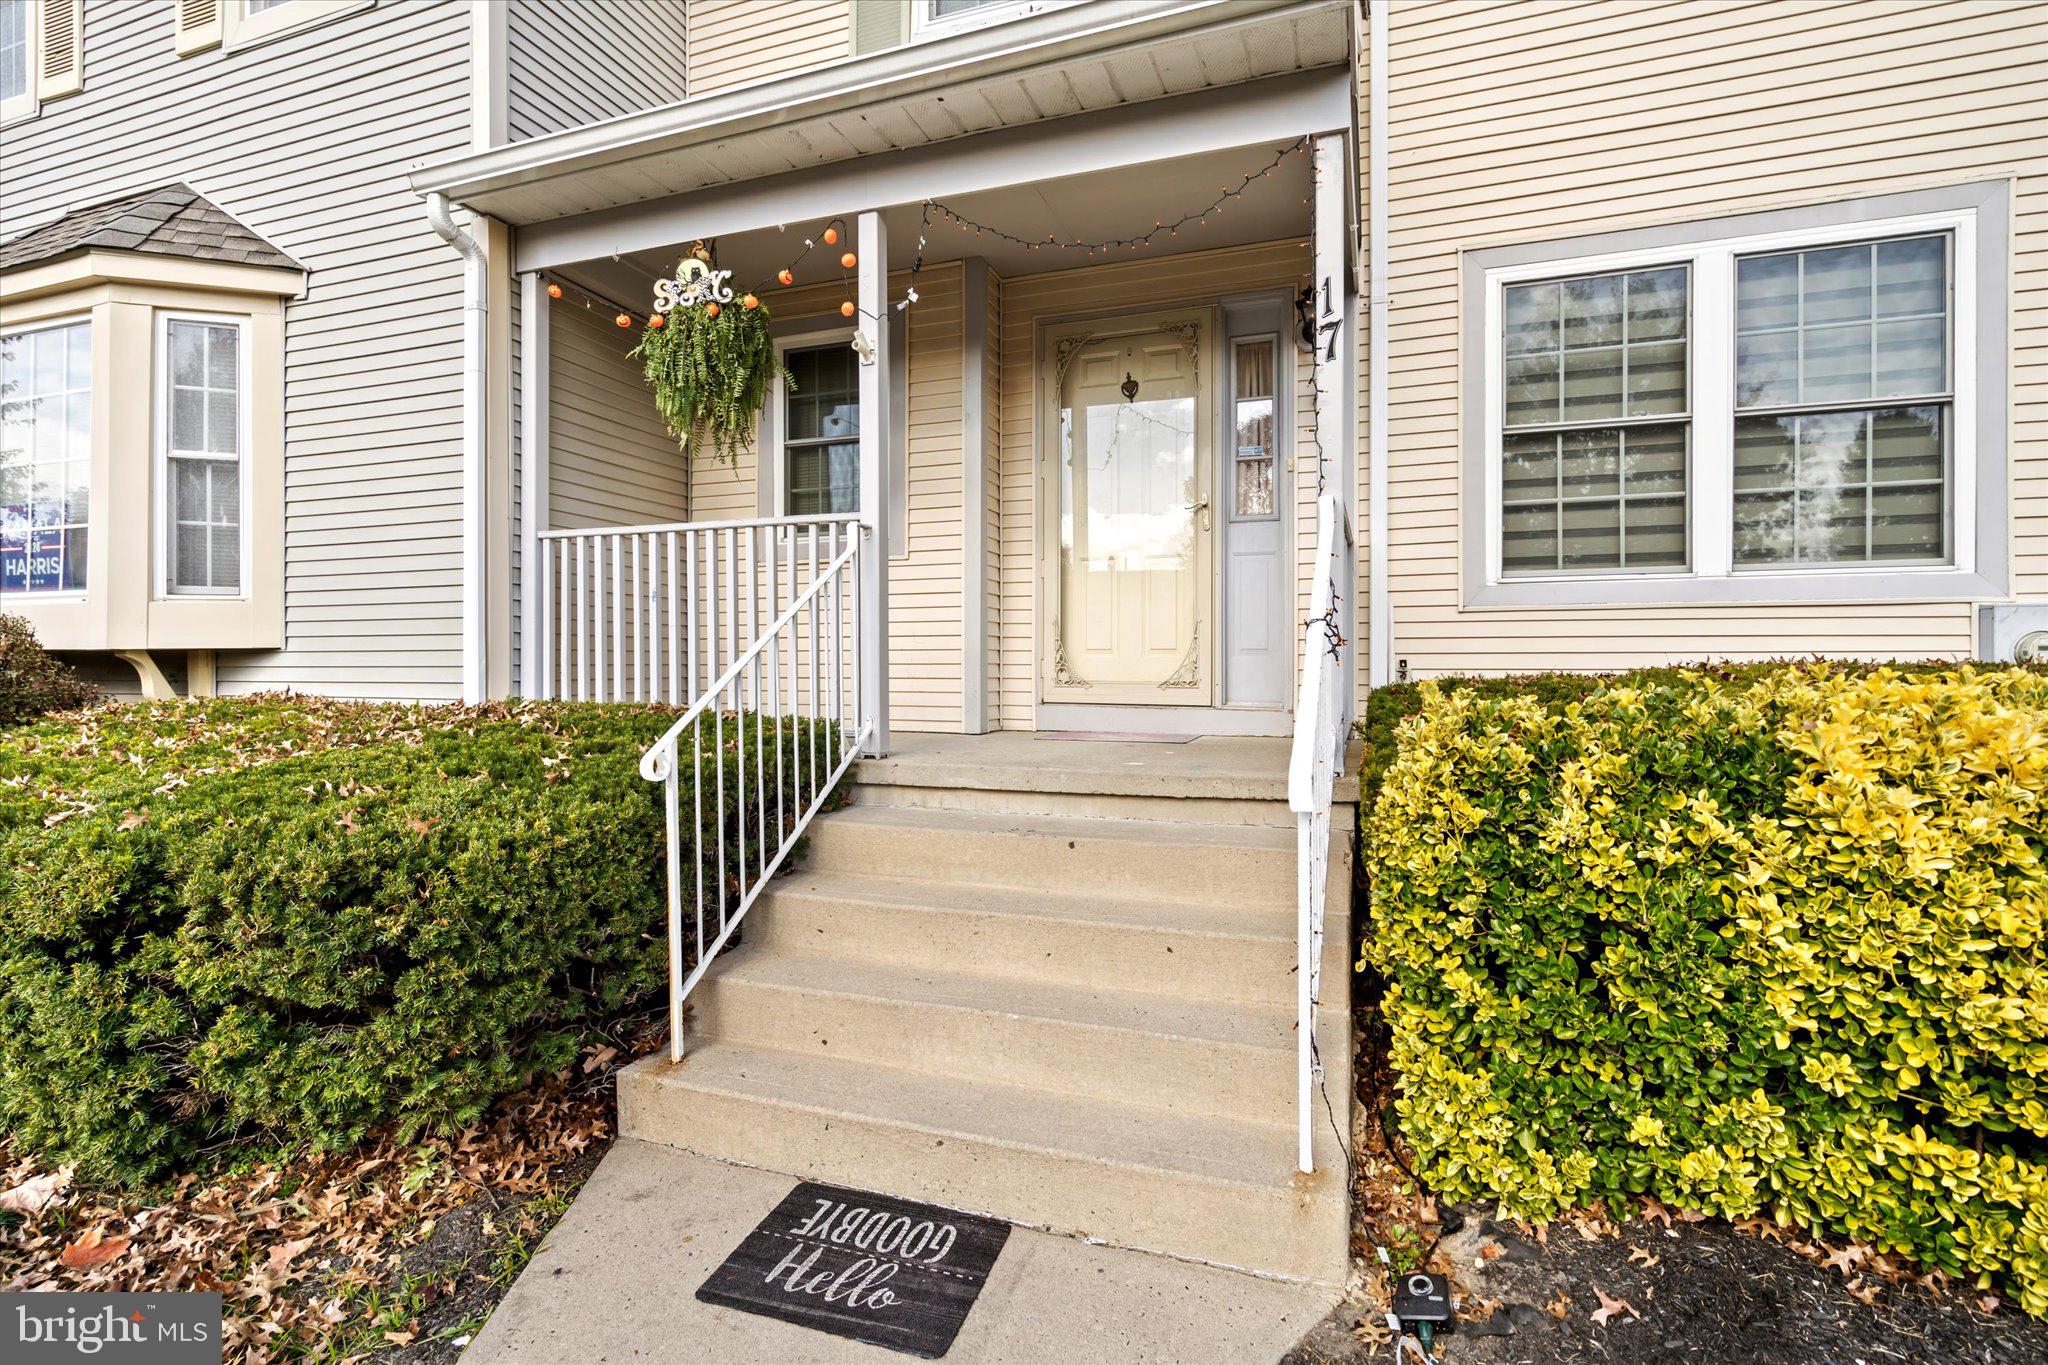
x=1755 y=942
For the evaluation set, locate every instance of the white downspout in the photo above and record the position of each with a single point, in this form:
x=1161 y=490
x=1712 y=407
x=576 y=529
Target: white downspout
x=1379 y=602
x=474 y=373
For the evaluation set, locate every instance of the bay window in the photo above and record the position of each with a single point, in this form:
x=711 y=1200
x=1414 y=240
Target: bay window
x=45 y=458
x=1796 y=405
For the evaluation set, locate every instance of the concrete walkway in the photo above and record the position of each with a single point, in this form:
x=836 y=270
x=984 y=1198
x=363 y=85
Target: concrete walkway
x=616 y=1281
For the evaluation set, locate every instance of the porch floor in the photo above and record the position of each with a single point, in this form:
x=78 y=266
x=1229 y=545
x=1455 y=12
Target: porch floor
x=1231 y=767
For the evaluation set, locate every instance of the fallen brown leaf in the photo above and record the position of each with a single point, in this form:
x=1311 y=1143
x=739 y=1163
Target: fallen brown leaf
x=93 y=1249
x=1609 y=1307
x=34 y=1194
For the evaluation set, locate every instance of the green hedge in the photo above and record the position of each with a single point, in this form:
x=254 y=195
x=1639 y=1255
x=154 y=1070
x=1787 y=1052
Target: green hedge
x=1769 y=940
x=32 y=682
x=296 y=920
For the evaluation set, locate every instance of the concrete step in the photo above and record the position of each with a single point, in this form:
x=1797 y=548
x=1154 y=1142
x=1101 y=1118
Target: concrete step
x=1217 y=780
x=1191 y=948
x=1206 y=1188
x=1188 y=1056
x=1248 y=866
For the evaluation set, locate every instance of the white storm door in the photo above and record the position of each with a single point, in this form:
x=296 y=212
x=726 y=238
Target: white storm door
x=1130 y=561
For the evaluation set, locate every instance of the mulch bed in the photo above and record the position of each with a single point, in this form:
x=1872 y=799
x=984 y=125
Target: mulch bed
x=390 y=1252
x=1653 y=1291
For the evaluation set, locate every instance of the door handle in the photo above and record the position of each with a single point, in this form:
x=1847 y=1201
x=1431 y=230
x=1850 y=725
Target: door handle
x=1202 y=508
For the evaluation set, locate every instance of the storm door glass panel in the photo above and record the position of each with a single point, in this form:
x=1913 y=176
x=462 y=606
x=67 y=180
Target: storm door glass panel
x=1130 y=587
x=822 y=449
x=1843 y=404
x=45 y=458
x=1595 y=423
x=1252 y=411
x=204 y=456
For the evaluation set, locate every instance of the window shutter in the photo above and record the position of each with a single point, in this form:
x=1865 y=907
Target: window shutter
x=880 y=23
x=198 y=24
x=60 y=54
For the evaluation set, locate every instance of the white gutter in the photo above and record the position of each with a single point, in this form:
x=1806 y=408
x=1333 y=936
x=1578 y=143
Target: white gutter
x=474 y=369
x=1379 y=669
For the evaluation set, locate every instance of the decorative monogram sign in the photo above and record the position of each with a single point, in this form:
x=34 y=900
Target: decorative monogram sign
x=885 y=1271
x=693 y=282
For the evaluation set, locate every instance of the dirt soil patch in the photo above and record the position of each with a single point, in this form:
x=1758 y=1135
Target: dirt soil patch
x=1658 y=1290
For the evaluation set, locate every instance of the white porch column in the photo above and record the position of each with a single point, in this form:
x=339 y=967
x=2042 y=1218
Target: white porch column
x=875 y=420
x=536 y=642
x=1336 y=371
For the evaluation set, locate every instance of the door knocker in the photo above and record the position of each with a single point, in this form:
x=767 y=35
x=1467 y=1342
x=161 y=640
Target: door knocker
x=1130 y=387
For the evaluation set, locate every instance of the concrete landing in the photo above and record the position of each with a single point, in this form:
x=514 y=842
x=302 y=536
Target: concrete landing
x=616 y=1281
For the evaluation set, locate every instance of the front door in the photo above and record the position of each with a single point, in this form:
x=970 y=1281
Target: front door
x=1126 y=553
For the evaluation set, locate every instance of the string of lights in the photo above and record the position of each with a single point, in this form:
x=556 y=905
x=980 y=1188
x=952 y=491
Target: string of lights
x=1160 y=227
x=786 y=276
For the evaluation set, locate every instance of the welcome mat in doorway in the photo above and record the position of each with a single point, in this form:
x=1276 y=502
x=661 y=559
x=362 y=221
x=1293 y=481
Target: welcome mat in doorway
x=889 y=1272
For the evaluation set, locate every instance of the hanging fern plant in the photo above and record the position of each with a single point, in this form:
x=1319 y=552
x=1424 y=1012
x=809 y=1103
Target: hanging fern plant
x=711 y=367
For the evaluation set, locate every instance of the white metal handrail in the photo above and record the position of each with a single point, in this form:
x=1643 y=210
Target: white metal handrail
x=1319 y=724
x=796 y=688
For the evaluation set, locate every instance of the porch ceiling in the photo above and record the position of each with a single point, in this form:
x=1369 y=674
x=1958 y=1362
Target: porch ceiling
x=1089 y=57
x=1101 y=206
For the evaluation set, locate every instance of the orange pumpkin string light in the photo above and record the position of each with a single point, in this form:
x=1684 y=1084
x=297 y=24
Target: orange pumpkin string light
x=554 y=291
x=656 y=320
x=785 y=276
x=749 y=301
x=831 y=235
x=710 y=310
x=848 y=260
x=624 y=320
x=846 y=309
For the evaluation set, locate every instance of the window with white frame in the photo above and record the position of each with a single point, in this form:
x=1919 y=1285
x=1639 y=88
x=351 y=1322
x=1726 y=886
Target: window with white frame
x=1782 y=406
x=204 y=433
x=45 y=458
x=1594 y=423
x=931 y=18
x=821 y=431
x=1842 y=403
x=17 y=66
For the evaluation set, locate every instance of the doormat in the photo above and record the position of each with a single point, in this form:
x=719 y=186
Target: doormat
x=885 y=1271
x=1106 y=737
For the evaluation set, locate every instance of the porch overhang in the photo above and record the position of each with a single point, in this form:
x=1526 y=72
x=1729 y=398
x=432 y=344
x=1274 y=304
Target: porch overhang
x=1086 y=88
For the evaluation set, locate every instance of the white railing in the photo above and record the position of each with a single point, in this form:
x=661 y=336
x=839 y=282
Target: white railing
x=757 y=626
x=1320 y=716
x=655 y=613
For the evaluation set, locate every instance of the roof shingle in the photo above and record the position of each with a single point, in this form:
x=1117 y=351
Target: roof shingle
x=170 y=220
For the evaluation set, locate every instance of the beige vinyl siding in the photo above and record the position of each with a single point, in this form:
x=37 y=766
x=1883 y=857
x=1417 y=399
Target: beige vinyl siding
x=306 y=138
x=1516 y=122
x=571 y=62
x=739 y=42
x=1030 y=301
x=925 y=611
x=611 y=461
